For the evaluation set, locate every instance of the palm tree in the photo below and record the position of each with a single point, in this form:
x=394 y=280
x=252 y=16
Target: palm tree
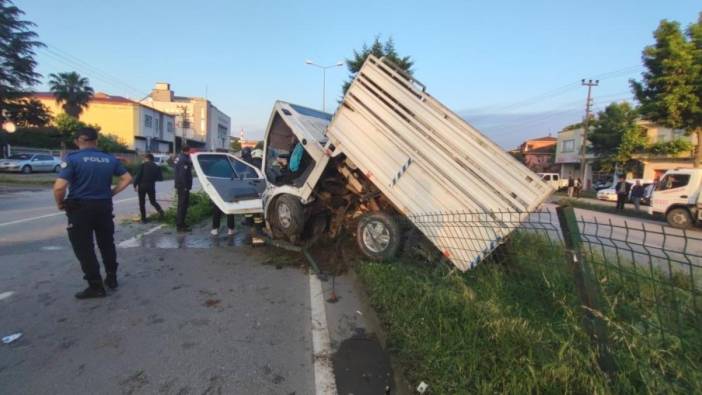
x=72 y=90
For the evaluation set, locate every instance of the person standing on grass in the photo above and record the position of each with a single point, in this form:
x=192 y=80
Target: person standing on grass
x=622 y=189
x=87 y=175
x=571 y=186
x=578 y=187
x=145 y=185
x=637 y=192
x=183 y=185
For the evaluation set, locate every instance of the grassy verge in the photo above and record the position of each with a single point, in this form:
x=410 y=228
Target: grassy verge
x=515 y=327
x=589 y=193
x=628 y=212
x=199 y=209
x=42 y=179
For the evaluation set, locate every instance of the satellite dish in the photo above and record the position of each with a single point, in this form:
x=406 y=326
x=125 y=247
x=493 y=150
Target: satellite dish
x=9 y=127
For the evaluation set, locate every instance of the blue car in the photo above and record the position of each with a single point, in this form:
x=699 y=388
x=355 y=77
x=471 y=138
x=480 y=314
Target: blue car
x=28 y=163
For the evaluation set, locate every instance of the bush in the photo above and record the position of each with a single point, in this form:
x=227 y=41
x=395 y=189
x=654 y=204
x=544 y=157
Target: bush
x=199 y=209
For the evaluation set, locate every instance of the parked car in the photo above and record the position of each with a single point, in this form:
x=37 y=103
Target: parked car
x=554 y=179
x=161 y=159
x=29 y=163
x=602 y=185
x=391 y=151
x=610 y=194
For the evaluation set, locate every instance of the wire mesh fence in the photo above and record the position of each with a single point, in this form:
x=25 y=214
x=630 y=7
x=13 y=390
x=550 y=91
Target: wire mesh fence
x=645 y=274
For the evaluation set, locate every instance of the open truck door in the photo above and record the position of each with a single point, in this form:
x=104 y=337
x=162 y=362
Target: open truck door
x=233 y=185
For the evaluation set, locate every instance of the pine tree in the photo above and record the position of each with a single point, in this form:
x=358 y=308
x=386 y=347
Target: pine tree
x=17 y=64
x=377 y=49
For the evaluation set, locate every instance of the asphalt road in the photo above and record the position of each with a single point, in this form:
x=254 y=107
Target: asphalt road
x=192 y=315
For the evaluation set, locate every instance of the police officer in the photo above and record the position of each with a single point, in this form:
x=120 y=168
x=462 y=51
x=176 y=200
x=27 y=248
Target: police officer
x=183 y=185
x=87 y=174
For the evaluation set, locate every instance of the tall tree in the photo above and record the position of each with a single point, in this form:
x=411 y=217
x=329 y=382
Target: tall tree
x=17 y=65
x=29 y=113
x=616 y=136
x=72 y=91
x=377 y=49
x=670 y=92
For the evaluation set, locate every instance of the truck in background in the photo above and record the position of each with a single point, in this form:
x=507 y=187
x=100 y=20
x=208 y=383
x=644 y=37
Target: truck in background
x=678 y=196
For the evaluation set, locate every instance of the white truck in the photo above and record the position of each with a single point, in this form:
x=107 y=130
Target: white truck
x=390 y=151
x=554 y=180
x=678 y=196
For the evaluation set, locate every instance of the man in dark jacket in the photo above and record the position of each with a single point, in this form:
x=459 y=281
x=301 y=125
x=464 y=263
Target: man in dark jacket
x=145 y=183
x=183 y=185
x=637 y=192
x=622 y=189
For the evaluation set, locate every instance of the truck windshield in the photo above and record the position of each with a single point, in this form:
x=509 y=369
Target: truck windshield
x=672 y=181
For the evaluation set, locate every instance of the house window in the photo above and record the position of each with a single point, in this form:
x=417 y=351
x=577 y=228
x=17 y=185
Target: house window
x=148 y=120
x=156 y=125
x=568 y=146
x=169 y=127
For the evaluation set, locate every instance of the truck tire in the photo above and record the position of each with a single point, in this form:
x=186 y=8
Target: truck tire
x=57 y=169
x=679 y=217
x=378 y=236
x=289 y=216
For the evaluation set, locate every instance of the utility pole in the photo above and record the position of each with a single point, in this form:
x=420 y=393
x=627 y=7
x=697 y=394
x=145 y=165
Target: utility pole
x=586 y=128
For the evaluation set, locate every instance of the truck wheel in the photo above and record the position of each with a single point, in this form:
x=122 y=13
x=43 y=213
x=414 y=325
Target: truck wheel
x=289 y=215
x=679 y=218
x=378 y=236
x=57 y=168
x=26 y=169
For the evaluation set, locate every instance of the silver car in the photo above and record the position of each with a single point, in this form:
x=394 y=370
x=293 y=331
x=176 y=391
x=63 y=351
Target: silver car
x=28 y=163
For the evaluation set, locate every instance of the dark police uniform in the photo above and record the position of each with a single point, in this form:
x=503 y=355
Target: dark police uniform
x=183 y=184
x=145 y=179
x=89 y=209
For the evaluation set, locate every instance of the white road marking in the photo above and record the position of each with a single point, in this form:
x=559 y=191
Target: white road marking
x=324 y=381
x=19 y=221
x=6 y=295
x=134 y=241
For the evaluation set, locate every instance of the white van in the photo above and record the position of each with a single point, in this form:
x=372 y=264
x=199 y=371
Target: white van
x=390 y=151
x=678 y=197
x=554 y=180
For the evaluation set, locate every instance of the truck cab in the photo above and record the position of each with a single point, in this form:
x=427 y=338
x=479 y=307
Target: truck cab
x=678 y=197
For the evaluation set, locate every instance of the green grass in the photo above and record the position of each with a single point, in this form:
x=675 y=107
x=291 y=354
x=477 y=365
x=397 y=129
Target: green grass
x=39 y=179
x=515 y=327
x=199 y=209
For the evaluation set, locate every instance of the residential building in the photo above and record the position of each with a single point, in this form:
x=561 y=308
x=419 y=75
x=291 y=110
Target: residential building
x=570 y=142
x=568 y=146
x=538 y=154
x=138 y=126
x=198 y=122
x=655 y=165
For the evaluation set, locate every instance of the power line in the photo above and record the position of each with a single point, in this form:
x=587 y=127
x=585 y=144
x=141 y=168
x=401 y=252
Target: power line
x=90 y=70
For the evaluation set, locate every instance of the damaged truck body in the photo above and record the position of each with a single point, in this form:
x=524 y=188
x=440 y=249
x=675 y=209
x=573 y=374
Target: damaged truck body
x=391 y=151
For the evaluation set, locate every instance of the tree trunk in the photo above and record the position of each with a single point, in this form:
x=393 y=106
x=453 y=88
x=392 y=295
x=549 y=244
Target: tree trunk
x=698 y=150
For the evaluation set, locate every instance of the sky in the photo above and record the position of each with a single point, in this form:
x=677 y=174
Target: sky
x=510 y=68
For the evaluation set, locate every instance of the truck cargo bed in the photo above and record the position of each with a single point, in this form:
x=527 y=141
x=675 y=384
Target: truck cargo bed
x=426 y=159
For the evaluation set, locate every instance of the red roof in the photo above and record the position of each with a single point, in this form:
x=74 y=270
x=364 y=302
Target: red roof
x=547 y=138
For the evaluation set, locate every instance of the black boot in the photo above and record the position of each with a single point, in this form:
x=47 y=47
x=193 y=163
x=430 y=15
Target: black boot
x=111 y=281
x=93 y=291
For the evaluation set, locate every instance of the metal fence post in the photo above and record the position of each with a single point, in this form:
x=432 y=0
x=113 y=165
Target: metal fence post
x=586 y=286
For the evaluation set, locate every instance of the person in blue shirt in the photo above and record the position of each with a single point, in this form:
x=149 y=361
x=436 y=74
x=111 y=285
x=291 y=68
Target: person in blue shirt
x=87 y=175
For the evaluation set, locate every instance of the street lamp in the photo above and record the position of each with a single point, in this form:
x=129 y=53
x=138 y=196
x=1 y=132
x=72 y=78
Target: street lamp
x=324 y=78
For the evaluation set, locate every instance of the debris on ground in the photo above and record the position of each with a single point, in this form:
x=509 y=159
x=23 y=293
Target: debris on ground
x=10 y=338
x=422 y=387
